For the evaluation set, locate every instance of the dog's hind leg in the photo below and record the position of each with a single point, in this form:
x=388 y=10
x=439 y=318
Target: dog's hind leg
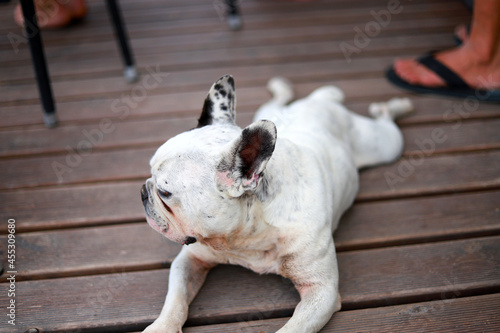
x=379 y=140
x=394 y=108
x=282 y=93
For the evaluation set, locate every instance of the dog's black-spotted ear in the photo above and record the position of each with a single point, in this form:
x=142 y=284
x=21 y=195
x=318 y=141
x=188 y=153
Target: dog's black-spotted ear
x=242 y=166
x=220 y=103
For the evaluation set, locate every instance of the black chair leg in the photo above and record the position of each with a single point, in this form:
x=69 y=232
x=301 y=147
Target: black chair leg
x=39 y=63
x=233 y=14
x=130 y=71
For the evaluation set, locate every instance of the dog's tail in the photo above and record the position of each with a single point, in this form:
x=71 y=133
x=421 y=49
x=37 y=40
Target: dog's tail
x=281 y=89
x=394 y=108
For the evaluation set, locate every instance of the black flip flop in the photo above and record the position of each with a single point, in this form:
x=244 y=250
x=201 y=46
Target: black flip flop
x=456 y=86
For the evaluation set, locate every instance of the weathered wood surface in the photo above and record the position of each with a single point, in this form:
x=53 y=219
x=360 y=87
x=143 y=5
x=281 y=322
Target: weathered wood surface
x=458 y=315
x=418 y=251
x=135 y=246
x=112 y=202
x=368 y=278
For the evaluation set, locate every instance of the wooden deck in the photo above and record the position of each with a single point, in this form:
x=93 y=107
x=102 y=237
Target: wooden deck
x=418 y=252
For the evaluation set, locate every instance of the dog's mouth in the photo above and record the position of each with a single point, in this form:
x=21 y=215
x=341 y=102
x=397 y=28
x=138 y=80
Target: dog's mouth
x=162 y=229
x=188 y=240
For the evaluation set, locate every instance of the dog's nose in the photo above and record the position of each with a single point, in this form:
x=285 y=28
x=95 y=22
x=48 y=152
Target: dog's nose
x=189 y=240
x=144 y=195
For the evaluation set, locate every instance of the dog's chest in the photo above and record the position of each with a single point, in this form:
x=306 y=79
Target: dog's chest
x=261 y=261
x=259 y=252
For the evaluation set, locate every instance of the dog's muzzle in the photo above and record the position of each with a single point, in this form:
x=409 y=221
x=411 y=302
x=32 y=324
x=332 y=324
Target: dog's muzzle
x=145 y=199
x=189 y=240
x=144 y=195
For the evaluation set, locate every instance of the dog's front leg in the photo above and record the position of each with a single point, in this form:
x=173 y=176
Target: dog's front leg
x=187 y=275
x=317 y=283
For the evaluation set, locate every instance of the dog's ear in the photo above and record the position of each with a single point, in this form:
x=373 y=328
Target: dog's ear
x=246 y=158
x=220 y=103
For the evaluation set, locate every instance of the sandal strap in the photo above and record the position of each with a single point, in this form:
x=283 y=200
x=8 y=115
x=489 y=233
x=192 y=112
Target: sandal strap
x=450 y=77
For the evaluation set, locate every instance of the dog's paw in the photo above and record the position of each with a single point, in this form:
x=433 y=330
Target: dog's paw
x=394 y=108
x=281 y=89
x=328 y=93
x=160 y=327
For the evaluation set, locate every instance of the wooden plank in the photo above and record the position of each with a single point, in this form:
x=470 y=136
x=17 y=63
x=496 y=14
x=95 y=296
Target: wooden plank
x=418 y=220
x=74 y=206
x=450 y=136
x=187 y=104
x=131 y=163
x=181 y=12
x=79 y=205
x=187 y=80
x=100 y=50
x=82 y=138
x=253 y=10
x=458 y=315
x=68 y=168
x=136 y=246
x=143 y=22
x=367 y=278
x=440 y=174
x=438 y=19
x=85 y=251
x=267 y=54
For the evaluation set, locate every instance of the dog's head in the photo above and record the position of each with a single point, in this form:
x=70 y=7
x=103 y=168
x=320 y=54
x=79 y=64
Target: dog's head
x=200 y=178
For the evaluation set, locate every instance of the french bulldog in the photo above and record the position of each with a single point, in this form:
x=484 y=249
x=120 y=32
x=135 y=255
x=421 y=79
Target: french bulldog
x=267 y=197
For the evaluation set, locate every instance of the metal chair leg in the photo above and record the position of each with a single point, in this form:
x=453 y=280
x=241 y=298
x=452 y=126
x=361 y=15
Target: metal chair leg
x=39 y=63
x=130 y=71
x=233 y=15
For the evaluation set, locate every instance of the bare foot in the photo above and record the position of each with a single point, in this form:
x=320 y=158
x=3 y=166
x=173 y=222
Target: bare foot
x=54 y=13
x=476 y=71
x=78 y=8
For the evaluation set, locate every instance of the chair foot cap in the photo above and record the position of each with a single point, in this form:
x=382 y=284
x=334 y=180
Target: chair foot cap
x=130 y=73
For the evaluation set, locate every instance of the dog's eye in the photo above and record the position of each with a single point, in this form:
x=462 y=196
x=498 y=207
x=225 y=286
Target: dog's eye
x=164 y=194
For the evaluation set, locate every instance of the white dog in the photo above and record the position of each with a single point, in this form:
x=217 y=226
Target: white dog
x=267 y=197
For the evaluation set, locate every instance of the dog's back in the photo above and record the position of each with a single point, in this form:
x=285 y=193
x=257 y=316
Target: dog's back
x=321 y=121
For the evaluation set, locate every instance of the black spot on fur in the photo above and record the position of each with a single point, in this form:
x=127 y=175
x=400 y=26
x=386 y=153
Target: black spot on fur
x=223 y=92
x=206 y=115
x=230 y=80
x=223 y=107
x=218 y=86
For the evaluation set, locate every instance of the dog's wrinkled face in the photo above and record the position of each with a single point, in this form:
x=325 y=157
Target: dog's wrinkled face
x=199 y=177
